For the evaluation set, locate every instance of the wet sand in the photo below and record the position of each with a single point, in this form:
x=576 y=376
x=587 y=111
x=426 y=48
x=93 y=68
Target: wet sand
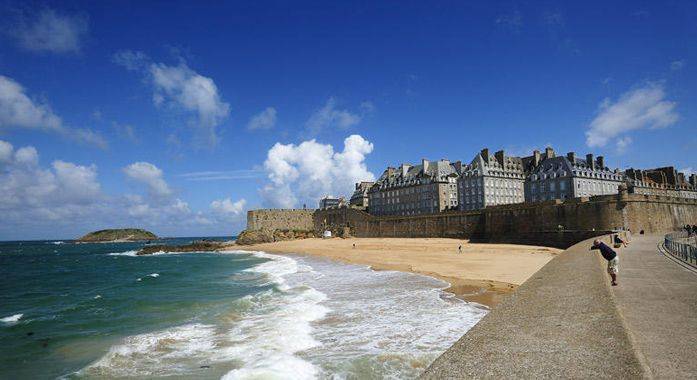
x=482 y=273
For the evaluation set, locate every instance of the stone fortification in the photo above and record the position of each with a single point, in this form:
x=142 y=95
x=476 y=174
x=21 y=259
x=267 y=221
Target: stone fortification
x=549 y=223
x=280 y=219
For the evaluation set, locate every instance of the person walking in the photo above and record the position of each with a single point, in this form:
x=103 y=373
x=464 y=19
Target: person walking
x=610 y=255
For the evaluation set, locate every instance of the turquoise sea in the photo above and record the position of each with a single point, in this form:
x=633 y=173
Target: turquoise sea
x=98 y=311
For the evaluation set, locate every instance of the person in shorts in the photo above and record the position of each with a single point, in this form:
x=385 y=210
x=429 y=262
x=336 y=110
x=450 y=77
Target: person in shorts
x=610 y=255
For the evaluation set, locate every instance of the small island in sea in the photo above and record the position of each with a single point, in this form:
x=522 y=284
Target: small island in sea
x=117 y=235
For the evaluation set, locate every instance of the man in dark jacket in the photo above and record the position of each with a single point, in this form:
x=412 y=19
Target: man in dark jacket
x=610 y=255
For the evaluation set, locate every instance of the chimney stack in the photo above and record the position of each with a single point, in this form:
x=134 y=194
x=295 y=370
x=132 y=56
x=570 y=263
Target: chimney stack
x=549 y=152
x=589 y=161
x=424 y=164
x=485 y=155
x=572 y=157
x=536 y=158
x=500 y=157
x=601 y=162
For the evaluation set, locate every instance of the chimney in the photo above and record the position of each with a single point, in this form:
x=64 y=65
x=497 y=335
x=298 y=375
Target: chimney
x=693 y=180
x=485 y=155
x=572 y=157
x=424 y=164
x=589 y=161
x=500 y=156
x=536 y=158
x=601 y=162
x=404 y=168
x=458 y=166
x=549 y=152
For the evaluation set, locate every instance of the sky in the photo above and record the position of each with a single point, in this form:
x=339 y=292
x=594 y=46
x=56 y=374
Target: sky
x=179 y=116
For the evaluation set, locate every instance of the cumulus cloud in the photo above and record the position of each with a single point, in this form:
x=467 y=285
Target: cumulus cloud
x=182 y=89
x=266 y=119
x=641 y=108
x=226 y=207
x=64 y=200
x=149 y=175
x=303 y=173
x=18 y=110
x=49 y=31
x=329 y=116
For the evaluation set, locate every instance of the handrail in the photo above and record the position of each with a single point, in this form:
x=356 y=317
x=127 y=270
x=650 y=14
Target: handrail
x=682 y=246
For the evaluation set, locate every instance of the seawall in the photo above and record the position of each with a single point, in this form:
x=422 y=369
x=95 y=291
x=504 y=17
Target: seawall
x=561 y=323
x=550 y=223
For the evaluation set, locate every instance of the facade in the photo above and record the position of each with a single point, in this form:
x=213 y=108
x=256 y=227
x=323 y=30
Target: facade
x=491 y=180
x=562 y=177
x=359 y=199
x=330 y=202
x=664 y=181
x=427 y=188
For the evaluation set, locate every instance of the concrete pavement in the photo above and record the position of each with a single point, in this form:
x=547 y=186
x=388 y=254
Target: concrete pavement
x=658 y=300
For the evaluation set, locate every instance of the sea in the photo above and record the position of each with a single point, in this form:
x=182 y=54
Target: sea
x=75 y=311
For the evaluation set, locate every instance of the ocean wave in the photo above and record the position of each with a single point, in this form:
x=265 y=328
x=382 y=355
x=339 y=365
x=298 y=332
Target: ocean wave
x=161 y=353
x=127 y=253
x=12 y=319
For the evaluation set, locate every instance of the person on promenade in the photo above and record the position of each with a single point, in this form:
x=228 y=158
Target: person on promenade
x=610 y=255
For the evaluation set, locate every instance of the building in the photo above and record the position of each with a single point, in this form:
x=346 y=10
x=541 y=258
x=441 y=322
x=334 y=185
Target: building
x=427 y=188
x=330 y=202
x=562 y=177
x=491 y=180
x=359 y=199
x=665 y=181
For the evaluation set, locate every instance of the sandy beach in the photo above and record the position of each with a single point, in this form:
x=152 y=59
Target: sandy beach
x=482 y=273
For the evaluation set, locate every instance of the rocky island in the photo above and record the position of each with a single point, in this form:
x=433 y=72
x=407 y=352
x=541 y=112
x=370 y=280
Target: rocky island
x=195 y=246
x=117 y=235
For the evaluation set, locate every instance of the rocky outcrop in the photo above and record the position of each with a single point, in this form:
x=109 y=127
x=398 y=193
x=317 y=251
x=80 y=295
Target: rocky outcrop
x=196 y=246
x=117 y=235
x=249 y=237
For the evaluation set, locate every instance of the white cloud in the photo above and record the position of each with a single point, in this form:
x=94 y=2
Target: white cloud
x=150 y=175
x=17 y=110
x=183 y=88
x=677 y=65
x=65 y=200
x=330 y=117
x=303 y=173
x=623 y=143
x=227 y=207
x=52 y=32
x=644 y=107
x=215 y=175
x=266 y=119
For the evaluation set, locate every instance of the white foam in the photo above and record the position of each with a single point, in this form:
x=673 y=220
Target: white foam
x=12 y=319
x=127 y=253
x=174 y=351
x=57 y=242
x=154 y=275
x=266 y=341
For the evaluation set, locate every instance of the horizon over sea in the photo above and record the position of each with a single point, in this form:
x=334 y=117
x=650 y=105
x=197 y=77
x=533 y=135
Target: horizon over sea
x=97 y=310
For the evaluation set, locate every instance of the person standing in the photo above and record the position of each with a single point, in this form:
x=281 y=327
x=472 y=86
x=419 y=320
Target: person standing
x=610 y=255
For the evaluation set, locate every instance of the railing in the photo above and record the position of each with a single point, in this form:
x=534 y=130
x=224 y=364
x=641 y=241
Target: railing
x=682 y=246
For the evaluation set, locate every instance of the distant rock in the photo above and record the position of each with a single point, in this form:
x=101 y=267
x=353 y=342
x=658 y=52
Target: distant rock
x=117 y=235
x=249 y=237
x=196 y=246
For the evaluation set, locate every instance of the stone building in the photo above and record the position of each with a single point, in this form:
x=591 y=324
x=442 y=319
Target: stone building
x=561 y=177
x=491 y=180
x=665 y=181
x=330 y=202
x=359 y=199
x=427 y=188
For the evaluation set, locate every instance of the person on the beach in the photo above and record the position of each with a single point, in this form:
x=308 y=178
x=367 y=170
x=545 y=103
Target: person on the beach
x=610 y=255
x=459 y=249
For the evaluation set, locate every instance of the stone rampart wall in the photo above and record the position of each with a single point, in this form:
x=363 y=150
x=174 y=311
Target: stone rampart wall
x=549 y=223
x=280 y=219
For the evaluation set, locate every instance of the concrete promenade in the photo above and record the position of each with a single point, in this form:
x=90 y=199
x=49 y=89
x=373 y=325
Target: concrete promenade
x=561 y=323
x=658 y=300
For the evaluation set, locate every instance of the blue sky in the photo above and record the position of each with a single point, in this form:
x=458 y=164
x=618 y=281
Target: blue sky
x=180 y=116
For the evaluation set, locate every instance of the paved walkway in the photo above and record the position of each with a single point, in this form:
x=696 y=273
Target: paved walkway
x=658 y=300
